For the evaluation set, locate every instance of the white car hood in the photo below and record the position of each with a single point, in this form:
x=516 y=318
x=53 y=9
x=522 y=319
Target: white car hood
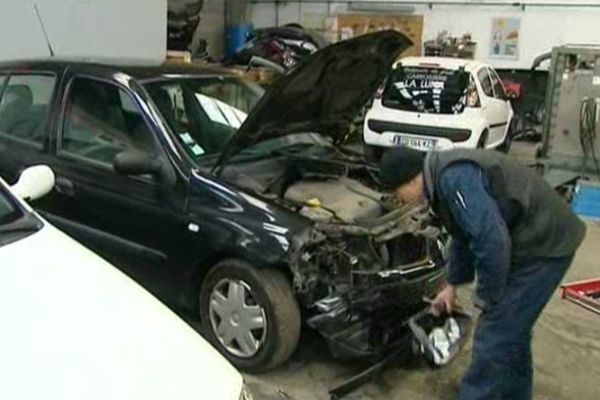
x=74 y=327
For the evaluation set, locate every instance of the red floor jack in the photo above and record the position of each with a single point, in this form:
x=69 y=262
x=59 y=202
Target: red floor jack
x=585 y=294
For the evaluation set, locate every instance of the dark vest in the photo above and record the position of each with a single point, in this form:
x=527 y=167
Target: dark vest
x=542 y=224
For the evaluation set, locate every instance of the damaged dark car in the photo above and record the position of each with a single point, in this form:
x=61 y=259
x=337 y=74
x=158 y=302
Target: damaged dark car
x=241 y=209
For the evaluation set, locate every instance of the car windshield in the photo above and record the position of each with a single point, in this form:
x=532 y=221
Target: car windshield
x=204 y=113
x=9 y=212
x=426 y=89
x=15 y=222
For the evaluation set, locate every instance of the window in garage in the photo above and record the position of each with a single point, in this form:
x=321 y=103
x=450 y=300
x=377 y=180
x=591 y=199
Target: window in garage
x=102 y=120
x=24 y=107
x=8 y=212
x=486 y=82
x=426 y=89
x=497 y=85
x=203 y=113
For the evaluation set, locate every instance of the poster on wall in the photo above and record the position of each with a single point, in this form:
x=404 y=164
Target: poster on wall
x=505 y=38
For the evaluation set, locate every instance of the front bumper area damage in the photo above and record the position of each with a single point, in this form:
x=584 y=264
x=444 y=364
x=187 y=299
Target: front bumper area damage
x=368 y=323
x=361 y=283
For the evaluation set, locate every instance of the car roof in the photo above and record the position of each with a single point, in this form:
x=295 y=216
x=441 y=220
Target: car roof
x=445 y=62
x=106 y=67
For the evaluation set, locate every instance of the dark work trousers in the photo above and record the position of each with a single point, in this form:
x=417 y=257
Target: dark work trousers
x=502 y=365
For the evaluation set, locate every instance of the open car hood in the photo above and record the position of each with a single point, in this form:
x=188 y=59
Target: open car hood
x=322 y=95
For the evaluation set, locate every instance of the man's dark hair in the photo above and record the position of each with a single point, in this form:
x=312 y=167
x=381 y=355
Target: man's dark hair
x=400 y=165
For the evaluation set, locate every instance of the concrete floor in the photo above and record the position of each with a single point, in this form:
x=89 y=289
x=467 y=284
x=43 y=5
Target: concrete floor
x=566 y=352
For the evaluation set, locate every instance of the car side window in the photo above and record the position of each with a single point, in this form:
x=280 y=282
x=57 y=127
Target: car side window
x=24 y=107
x=100 y=121
x=497 y=85
x=486 y=82
x=3 y=82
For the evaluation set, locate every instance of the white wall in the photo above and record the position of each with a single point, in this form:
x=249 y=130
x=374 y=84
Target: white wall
x=212 y=27
x=213 y=19
x=541 y=27
x=125 y=29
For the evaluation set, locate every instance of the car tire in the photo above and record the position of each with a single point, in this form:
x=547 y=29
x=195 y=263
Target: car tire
x=505 y=146
x=265 y=288
x=514 y=127
x=483 y=139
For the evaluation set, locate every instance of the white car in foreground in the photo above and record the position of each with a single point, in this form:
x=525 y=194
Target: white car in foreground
x=439 y=103
x=73 y=327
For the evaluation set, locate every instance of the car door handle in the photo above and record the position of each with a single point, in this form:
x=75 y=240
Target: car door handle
x=65 y=186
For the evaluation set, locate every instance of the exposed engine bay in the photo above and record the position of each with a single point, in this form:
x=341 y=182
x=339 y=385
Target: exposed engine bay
x=366 y=260
x=361 y=231
x=340 y=200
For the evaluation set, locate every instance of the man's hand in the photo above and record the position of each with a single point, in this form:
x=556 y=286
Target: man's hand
x=444 y=301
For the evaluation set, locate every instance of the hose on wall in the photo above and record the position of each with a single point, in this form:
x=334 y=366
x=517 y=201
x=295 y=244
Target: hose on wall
x=588 y=133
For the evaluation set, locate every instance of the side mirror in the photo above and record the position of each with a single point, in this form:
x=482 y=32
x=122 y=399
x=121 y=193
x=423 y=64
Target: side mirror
x=134 y=162
x=34 y=182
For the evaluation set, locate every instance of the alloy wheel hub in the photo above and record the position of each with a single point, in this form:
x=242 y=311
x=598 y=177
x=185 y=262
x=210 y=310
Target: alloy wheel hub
x=237 y=320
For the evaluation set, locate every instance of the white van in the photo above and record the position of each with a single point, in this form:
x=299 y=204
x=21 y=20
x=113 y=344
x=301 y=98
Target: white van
x=439 y=103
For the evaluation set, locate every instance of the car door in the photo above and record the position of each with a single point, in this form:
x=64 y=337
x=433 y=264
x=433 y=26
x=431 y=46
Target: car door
x=137 y=222
x=493 y=108
x=26 y=103
x=504 y=106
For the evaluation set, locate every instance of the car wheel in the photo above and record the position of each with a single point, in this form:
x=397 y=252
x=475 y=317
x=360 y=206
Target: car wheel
x=515 y=127
x=250 y=315
x=505 y=146
x=482 y=140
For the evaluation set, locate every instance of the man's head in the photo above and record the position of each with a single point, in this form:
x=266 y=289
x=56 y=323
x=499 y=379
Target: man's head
x=401 y=169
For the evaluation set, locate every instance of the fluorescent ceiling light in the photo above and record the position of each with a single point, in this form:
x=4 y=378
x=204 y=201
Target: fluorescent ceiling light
x=376 y=6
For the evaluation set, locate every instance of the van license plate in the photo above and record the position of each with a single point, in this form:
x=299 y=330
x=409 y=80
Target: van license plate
x=415 y=143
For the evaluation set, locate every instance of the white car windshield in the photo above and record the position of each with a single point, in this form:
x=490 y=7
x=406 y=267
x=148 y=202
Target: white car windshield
x=426 y=89
x=16 y=223
x=8 y=210
x=203 y=113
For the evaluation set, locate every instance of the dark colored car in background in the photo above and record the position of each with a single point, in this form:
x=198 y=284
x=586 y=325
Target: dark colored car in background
x=285 y=46
x=251 y=222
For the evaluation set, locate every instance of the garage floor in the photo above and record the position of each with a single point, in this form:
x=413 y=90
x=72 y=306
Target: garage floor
x=566 y=351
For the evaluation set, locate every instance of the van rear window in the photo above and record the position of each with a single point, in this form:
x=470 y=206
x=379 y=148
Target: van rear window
x=426 y=90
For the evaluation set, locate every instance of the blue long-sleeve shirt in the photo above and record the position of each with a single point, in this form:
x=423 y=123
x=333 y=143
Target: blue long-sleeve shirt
x=484 y=251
